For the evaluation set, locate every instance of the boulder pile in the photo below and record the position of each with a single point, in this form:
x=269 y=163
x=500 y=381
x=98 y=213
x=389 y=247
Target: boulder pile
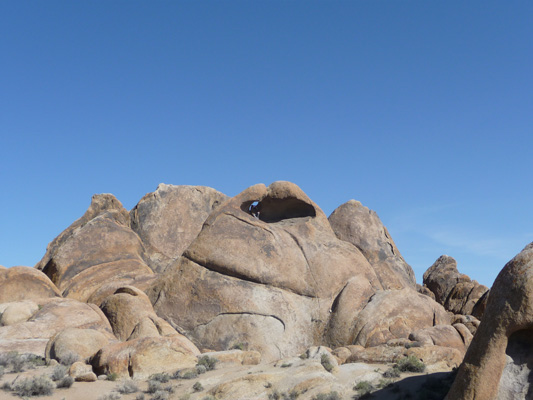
x=265 y=272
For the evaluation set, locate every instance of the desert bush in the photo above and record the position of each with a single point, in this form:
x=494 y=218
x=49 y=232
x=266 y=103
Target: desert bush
x=17 y=363
x=160 y=377
x=326 y=362
x=6 y=386
x=286 y=365
x=69 y=358
x=140 y=396
x=238 y=346
x=36 y=386
x=1 y=371
x=160 y=395
x=110 y=396
x=327 y=396
x=127 y=387
x=186 y=374
x=208 y=362
x=5 y=358
x=112 y=377
x=383 y=383
x=58 y=373
x=201 y=369
x=197 y=387
x=65 y=382
x=391 y=373
x=363 y=387
x=153 y=386
x=410 y=364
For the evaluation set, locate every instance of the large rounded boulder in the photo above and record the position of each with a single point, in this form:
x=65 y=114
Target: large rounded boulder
x=25 y=283
x=360 y=226
x=498 y=363
x=265 y=269
x=98 y=248
x=169 y=219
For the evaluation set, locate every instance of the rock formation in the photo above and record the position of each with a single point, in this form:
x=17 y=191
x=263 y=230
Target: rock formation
x=169 y=219
x=455 y=291
x=25 y=283
x=356 y=224
x=498 y=362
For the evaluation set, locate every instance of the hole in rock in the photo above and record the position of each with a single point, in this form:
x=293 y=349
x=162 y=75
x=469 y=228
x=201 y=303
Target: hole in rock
x=517 y=377
x=276 y=210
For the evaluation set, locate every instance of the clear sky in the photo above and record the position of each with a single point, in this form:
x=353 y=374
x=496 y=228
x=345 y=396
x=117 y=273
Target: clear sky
x=421 y=110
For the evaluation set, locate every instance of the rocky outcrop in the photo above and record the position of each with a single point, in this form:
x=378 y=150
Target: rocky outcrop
x=169 y=219
x=265 y=270
x=80 y=344
x=356 y=224
x=52 y=317
x=394 y=314
x=140 y=358
x=455 y=291
x=97 y=248
x=25 y=283
x=498 y=362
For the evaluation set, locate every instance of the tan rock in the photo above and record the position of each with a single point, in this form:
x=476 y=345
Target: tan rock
x=95 y=249
x=455 y=291
x=55 y=315
x=442 y=335
x=394 y=314
x=82 y=343
x=18 y=312
x=79 y=369
x=286 y=262
x=143 y=357
x=362 y=227
x=239 y=357
x=25 y=283
x=169 y=219
x=498 y=362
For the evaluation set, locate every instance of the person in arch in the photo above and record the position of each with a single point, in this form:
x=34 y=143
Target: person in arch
x=255 y=209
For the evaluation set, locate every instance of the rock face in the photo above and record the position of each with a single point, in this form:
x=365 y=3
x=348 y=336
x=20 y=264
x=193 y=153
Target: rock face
x=25 y=283
x=54 y=316
x=356 y=224
x=97 y=248
x=455 y=291
x=169 y=219
x=498 y=362
x=268 y=280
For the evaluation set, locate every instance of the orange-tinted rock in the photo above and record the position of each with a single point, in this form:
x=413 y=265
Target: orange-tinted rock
x=362 y=227
x=25 y=283
x=169 y=219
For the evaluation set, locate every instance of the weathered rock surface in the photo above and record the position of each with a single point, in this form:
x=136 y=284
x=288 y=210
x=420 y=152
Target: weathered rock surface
x=82 y=372
x=17 y=312
x=131 y=315
x=394 y=314
x=498 y=362
x=169 y=219
x=239 y=357
x=80 y=343
x=143 y=357
x=268 y=280
x=457 y=336
x=362 y=227
x=25 y=283
x=455 y=291
x=97 y=248
x=54 y=316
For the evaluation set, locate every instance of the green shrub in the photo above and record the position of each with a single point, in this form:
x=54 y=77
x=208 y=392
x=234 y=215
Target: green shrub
x=363 y=387
x=391 y=373
x=58 y=373
x=32 y=360
x=140 y=396
x=110 y=396
x=238 y=346
x=197 y=387
x=160 y=395
x=286 y=365
x=327 y=396
x=6 y=386
x=127 y=387
x=1 y=371
x=326 y=362
x=112 y=377
x=208 y=362
x=160 y=377
x=153 y=386
x=65 y=382
x=410 y=364
x=187 y=374
x=36 y=386
x=201 y=369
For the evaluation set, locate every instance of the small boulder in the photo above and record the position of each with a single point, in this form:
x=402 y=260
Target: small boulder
x=18 y=312
x=75 y=342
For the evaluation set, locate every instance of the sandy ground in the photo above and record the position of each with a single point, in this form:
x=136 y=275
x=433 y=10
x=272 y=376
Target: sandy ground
x=408 y=386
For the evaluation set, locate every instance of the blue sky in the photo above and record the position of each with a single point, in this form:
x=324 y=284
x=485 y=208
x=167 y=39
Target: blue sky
x=421 y=110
